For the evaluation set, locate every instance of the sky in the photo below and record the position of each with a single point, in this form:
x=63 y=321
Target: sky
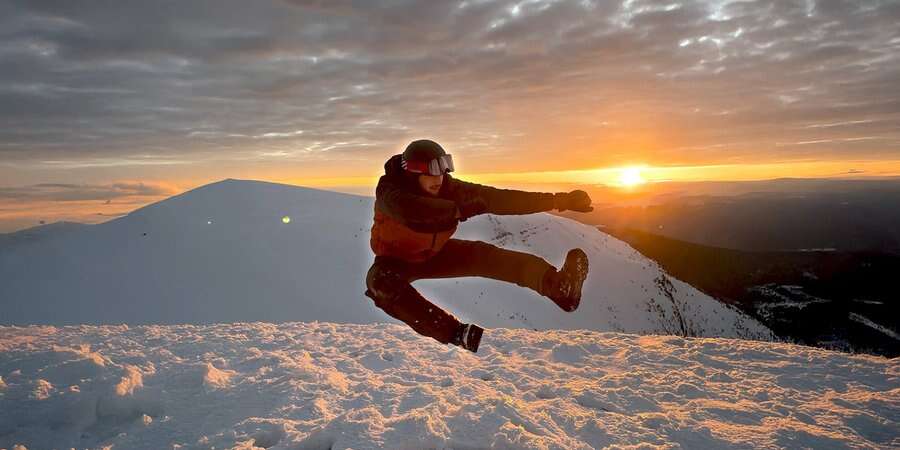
x=108 y=105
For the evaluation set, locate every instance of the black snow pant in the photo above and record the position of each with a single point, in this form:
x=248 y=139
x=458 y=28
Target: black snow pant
x=388 y=281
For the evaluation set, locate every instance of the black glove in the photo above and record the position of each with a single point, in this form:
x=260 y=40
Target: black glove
x=471 y=208
x=576 y=200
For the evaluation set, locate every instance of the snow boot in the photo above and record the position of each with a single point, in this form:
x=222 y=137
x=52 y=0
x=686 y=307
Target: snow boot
x=468 y=336
x=564 y=286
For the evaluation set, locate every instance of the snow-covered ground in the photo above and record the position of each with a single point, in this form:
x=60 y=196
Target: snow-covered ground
x=324 y=385
x=224 y=252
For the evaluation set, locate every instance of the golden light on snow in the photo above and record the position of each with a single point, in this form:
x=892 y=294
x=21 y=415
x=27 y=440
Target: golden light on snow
x=286 y=219
x=631 y=176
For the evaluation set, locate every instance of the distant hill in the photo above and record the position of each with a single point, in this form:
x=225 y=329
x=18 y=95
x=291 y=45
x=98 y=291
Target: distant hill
x=777 y=215
x=844 y=300
x=34 y=234
x=239 y=251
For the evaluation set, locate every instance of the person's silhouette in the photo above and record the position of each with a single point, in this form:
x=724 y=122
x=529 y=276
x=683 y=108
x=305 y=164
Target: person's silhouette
x=418 y=206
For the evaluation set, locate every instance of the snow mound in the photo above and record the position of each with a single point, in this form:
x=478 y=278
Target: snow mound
x=225 y=253
x=324 y=385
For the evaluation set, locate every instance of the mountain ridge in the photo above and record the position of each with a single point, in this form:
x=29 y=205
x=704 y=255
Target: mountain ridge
x=239 y=250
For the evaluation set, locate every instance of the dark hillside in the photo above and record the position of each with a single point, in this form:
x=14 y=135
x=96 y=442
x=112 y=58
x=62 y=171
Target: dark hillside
x=844 y=300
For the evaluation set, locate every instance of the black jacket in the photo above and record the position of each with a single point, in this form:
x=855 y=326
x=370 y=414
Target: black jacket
x=399 y=196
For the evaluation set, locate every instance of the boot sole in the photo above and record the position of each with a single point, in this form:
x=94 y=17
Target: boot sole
x=579 y=258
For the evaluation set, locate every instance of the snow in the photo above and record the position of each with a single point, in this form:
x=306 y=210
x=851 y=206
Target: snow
x=224 y=253
x=232 y=317
x=787 y=297
x=317 y=385
x=875 y=326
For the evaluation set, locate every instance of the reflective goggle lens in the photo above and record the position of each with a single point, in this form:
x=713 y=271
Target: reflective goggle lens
x=436 y=166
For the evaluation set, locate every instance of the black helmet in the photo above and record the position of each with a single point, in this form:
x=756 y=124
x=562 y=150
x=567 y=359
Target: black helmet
x=426 y=157
x=423 y=150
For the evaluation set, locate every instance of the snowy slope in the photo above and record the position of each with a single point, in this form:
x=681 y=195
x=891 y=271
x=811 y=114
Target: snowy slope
x=221 y=253
x=34 y=234
x=339 y=386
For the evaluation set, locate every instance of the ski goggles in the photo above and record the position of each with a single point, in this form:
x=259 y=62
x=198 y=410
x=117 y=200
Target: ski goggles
x=437 y=166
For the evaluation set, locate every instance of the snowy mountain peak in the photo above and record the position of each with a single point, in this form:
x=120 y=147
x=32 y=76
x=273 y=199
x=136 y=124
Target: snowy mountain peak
x=233 y=195
x=241 y=250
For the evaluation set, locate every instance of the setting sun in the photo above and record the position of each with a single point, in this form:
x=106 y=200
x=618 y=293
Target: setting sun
x=631 y=176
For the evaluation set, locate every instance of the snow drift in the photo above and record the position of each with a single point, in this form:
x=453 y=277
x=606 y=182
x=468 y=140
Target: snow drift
x=340 y=386
x=225 y=252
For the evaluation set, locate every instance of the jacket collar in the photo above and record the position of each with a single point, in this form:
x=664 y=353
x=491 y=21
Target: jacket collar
x=393 y=167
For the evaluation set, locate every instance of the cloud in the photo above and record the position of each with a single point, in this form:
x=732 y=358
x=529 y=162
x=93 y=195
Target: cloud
x=118 y=80
x=63 y=192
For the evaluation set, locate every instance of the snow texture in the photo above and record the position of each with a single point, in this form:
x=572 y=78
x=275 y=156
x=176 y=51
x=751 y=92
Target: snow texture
x=223 y=253
x=339 y=386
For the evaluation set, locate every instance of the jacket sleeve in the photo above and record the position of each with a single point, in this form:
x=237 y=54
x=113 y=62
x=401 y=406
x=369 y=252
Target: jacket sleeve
x=418 y=212
x=502 y=201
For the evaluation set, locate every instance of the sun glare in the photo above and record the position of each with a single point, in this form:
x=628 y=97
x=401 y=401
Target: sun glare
x=630 y=177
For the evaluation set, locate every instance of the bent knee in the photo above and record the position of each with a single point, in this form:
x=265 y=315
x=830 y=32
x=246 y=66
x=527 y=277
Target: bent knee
x=383 y=282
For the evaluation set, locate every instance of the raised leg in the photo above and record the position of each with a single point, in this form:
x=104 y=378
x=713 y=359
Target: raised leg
x=464 y=258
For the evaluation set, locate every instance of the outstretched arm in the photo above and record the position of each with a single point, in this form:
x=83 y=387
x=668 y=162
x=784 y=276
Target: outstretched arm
x=501 y=201
x=488 y=199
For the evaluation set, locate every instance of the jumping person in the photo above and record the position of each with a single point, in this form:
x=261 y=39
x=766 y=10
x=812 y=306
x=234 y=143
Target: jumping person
x=418 y=206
